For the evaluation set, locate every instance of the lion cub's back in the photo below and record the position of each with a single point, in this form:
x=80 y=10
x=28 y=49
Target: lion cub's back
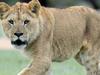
x=69 y=30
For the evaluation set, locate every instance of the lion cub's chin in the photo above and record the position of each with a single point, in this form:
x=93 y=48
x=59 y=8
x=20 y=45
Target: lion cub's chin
x=20 y=47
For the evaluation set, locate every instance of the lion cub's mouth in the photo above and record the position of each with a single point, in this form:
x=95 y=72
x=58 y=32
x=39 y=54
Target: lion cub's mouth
x=18 y=43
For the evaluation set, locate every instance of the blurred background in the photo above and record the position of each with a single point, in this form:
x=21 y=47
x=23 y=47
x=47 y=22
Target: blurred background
x=61 y=3
x=12 y=61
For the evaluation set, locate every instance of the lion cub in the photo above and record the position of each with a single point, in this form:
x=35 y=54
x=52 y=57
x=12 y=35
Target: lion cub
x=51 y=34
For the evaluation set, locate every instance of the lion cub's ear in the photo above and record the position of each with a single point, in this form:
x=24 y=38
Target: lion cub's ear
x=3 y=8
x=34 y=6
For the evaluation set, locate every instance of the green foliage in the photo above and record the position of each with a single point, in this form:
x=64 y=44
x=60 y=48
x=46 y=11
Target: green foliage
x=11 y=2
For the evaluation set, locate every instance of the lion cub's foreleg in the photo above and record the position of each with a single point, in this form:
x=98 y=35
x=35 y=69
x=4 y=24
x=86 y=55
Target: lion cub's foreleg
x=39 y=66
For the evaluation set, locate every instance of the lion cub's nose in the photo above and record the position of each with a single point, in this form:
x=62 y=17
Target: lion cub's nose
x=18 y=34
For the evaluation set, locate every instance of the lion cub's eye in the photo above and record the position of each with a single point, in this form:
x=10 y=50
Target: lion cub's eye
x=11 y=21
x=26 y=22
x=34 y=10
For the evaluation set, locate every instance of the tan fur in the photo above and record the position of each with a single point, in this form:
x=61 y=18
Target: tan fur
x=55 y=35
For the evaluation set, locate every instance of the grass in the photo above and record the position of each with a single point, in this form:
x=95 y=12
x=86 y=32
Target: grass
x=12 y=62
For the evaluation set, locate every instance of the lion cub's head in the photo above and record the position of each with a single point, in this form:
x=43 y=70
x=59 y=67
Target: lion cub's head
x=21 y=22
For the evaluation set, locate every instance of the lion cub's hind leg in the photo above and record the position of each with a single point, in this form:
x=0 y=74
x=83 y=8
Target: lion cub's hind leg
x=88 y=57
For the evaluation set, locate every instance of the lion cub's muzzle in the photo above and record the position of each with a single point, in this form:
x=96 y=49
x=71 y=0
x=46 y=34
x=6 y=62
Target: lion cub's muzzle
x=19 y=42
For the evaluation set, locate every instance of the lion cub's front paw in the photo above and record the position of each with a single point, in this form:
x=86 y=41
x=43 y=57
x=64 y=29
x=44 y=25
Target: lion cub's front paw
x=25 y=71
